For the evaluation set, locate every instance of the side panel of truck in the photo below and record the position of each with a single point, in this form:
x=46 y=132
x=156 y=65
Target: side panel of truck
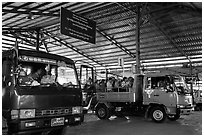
x=116 y=96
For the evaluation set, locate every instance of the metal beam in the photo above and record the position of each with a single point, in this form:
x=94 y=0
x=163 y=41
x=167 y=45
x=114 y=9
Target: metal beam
x=158 y=26
x=72 y=47
x=6 y=4
x=18 y=36
x=163 y=31
x=37 y=39
x=113 y=41
x=138 y=40
x=27 y=12
x=196 y=8
x=102 y=33
x=15 y=10
x=34 y=13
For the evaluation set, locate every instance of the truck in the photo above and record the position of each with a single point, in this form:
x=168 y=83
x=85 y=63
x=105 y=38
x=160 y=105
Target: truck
x=151 y=95
x=40 y=92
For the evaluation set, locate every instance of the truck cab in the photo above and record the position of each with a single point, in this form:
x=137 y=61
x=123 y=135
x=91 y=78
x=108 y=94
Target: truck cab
x=41 y=92
x=160 y=89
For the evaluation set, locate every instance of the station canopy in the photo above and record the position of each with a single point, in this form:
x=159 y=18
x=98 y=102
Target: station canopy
x=170 y=37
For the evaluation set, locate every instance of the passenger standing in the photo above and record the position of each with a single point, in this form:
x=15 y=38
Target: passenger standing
x=102 y=85
x=124 y=82
x=130 y=82
x=118 y=83
x=109 y=84
x=97 y=84
x=113 y=81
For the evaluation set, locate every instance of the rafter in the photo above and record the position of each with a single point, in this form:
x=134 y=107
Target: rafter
x=72 y=47
x=113 y=41
x=34 y=13
x=15 y=10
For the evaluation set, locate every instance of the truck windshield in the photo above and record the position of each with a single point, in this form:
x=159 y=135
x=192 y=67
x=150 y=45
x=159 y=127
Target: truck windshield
x=36 y=74
x=158 y=82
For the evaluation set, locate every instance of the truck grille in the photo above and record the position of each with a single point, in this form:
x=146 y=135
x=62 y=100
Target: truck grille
x=53 y=112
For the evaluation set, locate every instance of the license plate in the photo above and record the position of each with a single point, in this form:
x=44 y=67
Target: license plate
x=57 y=121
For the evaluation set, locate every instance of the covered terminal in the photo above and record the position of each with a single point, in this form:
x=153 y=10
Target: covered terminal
x=83 y=68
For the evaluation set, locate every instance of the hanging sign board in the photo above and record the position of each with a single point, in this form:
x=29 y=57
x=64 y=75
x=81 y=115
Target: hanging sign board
x=77 y=26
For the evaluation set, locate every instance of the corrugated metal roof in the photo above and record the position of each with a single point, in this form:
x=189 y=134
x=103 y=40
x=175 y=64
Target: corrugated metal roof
x=170 y=33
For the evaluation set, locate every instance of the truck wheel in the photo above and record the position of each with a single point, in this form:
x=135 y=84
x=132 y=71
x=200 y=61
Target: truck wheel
x=158 y=114
x=103 y=112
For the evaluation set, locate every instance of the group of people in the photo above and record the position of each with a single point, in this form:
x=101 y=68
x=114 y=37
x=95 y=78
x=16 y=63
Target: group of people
x=113 y=84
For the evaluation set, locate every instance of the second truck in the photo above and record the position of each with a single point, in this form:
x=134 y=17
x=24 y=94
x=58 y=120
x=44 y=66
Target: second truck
x=154 y=96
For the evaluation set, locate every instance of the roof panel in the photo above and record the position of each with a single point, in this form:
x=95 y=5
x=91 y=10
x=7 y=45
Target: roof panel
x=167 y=31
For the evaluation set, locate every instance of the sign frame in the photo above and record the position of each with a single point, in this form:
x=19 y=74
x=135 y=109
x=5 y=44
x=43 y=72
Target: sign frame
x=77 y=26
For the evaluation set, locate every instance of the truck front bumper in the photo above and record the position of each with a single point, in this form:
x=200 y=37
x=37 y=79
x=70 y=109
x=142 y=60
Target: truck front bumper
x=185 y=110
x=29 y=126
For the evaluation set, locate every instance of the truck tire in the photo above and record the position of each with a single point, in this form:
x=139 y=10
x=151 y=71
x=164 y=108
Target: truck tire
x=174 y=117
x=158 y=114
x=103 y=112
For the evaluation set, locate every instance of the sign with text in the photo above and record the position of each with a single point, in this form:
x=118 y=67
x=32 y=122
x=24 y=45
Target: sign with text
x=77 y=26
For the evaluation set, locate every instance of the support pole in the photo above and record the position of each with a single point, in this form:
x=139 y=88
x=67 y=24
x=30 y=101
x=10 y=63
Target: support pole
x=191 y=86
x=106 y=74
x=139 y=78
x=38 y=40
x=16 y=43
x=138 y=41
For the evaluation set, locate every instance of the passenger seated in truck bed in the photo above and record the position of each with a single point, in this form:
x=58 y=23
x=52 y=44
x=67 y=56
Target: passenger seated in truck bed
x=123 y=87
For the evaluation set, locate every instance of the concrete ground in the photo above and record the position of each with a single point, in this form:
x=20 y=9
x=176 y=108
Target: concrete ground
x=132 y=125
x=194 y=120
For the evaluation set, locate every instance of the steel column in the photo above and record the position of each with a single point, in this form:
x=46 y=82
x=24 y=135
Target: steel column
x=138 y=41
x=38 y=39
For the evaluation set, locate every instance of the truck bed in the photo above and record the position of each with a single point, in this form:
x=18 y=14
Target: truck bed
x=116 y=96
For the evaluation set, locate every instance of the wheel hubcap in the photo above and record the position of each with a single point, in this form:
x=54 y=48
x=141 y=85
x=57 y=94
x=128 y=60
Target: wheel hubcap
x=101 y=112
x=158 y=115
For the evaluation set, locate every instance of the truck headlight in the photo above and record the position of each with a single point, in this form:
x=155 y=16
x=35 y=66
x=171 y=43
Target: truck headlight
x=27 y=113
x=76 y=110
x=180 y=106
